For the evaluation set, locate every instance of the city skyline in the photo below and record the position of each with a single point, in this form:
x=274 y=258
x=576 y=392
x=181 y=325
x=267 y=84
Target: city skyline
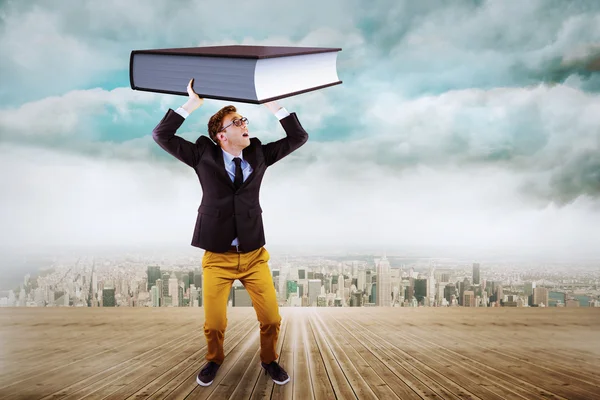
x=135 y=281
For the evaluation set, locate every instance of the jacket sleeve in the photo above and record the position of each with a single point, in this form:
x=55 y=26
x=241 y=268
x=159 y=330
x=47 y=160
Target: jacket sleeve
x=296 y=136
x=164 y=135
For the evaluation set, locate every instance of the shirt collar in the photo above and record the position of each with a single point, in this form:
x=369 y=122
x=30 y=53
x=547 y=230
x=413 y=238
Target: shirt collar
x=229 y=157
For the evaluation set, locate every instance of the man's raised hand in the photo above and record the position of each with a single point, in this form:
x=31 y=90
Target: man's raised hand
x=194 y=101
x=273 y=106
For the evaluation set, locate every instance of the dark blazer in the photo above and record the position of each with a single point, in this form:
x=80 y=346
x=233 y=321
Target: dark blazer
x=222 y=209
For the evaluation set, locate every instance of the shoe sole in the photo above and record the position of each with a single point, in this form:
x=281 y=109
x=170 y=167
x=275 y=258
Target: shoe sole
x=281 y=383
x=277 y=382
x=204 y=384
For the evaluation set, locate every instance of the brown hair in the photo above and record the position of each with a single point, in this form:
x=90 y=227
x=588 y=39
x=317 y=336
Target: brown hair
x=216 y=122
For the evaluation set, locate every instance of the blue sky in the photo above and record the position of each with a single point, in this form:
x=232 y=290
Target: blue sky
x=465 y=124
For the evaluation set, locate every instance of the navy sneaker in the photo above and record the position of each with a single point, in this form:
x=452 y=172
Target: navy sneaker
x=277 y=373
x=207 y=374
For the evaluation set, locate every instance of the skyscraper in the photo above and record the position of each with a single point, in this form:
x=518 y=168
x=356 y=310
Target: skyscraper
x=159 y=287
x=469 y=298
x=449 y=291
x=291 y=287
x=540 y=296
x=165 y=284
x=153 y=275
x=314 y=290
x=108 y=297
x=384 y=287
x=155 y=296
x=301 y=273
x=174 y=290
x=198 y=280
x=361 y=279
x=420 y=290
x=476 y=280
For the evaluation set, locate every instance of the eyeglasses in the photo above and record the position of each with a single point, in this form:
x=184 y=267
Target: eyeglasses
x=237 y=122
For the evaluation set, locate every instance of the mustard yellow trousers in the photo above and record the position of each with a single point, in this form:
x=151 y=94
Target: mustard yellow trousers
x=220 y=270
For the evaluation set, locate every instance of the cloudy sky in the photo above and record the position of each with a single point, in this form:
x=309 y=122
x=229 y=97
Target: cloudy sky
x=460 y=124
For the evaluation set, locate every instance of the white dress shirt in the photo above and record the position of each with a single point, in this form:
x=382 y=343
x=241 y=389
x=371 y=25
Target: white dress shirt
x=228 y=158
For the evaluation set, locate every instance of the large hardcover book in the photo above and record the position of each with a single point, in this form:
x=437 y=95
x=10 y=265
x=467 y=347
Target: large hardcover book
x=248 y=74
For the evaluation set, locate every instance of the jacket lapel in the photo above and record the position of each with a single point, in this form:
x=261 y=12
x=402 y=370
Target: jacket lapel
x=249 y=154
x=221 y=171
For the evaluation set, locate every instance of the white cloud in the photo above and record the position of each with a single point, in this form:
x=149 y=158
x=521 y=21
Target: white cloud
x=53 y=199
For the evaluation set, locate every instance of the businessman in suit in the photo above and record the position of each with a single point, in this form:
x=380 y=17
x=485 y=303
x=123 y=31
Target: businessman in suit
x=229 y=224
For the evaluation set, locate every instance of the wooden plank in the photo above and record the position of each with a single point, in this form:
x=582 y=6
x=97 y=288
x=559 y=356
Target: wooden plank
x=418 y=381
x=321 y=385
x=63 y=356
x=519 y=353
x=264 y=387
x=531 y=380
x=537 y=357
x=338 y=345
x=185 y=371
x=521 y=347
x=66 y=374
x=147 y=363
x=462 y=366
x=444 y=383
x=286 y=359
x=234 y=366
x=339 y=382
x=129 y=384
x=365 y=364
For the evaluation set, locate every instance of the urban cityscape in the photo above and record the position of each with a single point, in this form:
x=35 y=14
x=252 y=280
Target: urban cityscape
x=305 y=281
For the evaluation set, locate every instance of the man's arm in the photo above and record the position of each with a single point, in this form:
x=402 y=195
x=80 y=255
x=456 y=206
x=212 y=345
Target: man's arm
x=296 y=136
x=164 y=133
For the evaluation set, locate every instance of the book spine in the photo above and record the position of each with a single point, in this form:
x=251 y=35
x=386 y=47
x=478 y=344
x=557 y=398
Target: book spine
x=131 y=70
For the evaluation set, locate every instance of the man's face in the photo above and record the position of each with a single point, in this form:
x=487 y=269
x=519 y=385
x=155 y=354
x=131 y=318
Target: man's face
x=237 y=136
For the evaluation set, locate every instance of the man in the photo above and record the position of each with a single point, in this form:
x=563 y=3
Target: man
x=229 y=223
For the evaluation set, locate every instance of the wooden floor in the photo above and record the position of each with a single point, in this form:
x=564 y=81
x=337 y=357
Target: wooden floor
x=330 y=353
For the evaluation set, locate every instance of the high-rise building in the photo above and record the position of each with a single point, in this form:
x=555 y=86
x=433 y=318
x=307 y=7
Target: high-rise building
x=420 y=290
x=469 y=299
x=384 y=287
x=180 y=299
x=499 y=293
x=108 y=297
x=356 y=299
x=528 y=288
x=449 y=291
x=321 y=300
x=291 y=287
x=361 y=279
x=155 y=296
x=198 y=280
x=165 y=282
x=540 y=296
x=314 y=290
x=301 y=273
x=159 y=286
x=476 y=277
x=153 y=275
x=173 y=290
